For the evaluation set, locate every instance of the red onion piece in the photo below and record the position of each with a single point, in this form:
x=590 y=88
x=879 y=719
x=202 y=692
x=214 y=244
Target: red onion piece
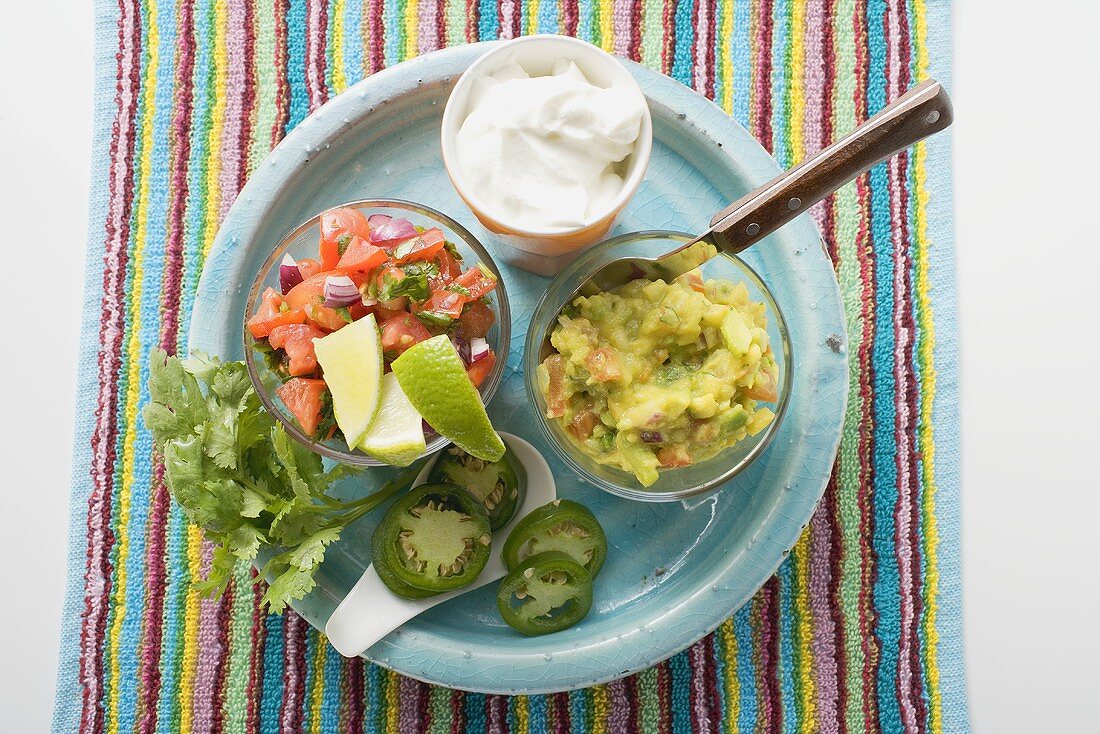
x=340 y=291
x=429 y=432
x=392 y=232
x=462 y=347
x=289 y=274
x=479 y=349
x=377 y=220
x=652 y=437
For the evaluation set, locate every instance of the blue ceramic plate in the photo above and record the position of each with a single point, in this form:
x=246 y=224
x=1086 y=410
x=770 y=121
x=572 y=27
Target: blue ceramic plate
x=381 y=139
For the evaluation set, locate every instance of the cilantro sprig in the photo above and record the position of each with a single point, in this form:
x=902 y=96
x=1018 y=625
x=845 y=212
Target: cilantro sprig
x=239 y=477
x=413 y=282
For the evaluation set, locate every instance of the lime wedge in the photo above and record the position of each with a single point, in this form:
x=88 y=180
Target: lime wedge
x=434 y=378
x=352 y=361
x=397 y=436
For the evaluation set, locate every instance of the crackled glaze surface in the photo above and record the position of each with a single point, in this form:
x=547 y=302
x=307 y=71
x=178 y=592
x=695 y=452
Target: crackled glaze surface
x=381 y=139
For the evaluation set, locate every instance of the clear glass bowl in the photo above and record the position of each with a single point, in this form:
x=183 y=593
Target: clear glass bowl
x=672 y=484
x=303 y=242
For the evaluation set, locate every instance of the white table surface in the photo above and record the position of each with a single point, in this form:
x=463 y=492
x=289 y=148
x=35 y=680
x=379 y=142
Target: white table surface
x=1026 y=171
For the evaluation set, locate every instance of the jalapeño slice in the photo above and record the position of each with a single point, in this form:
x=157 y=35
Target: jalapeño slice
x=500 y=485
x=435 y=538
x=548 y=592
x=564 y=526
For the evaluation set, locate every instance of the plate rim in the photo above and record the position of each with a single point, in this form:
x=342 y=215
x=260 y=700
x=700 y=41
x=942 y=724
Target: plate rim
x=344 y=111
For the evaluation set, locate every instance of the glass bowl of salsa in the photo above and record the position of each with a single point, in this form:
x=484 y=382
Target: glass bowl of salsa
x=433 y=277
x=659 y=391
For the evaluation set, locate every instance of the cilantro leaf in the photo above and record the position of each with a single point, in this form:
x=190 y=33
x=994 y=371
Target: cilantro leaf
x=176 y=390
x=231 y=384
x=293 y=583
x=202 y=366
x=183 y=469
x=220 y=435
x=299 y=462
x=221 y=569
x=252 y=503
x=245 y=541
x=218 y=505
x=311 y=551
x=238 y=476
x=294 y=522
x=164 y=424
x=253 y=424
x=414 y=285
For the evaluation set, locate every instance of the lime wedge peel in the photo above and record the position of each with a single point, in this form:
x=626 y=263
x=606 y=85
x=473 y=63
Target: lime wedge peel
x=352 y=362
x=434 y=379
x=396 y=436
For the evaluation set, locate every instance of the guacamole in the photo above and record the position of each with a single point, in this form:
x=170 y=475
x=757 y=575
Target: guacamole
x=657 y=375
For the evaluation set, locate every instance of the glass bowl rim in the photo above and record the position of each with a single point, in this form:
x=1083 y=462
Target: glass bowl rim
x=583 y=264
x=357 y=458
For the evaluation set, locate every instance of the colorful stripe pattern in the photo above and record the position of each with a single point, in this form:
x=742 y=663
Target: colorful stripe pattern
x=843 y=639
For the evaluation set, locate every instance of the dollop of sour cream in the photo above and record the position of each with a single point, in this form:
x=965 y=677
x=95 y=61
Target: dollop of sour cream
x=543 y=152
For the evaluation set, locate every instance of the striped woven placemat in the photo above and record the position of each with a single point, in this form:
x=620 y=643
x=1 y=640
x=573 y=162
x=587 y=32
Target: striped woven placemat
x=860 y=628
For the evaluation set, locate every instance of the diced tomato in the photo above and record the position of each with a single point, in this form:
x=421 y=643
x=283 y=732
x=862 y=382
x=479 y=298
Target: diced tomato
x=297 y=341
x=360 y=256
x=323 y=317
x=449 y=269
x=603 y=365
x=694 y=281
x=390 y=273
x=308 y=267
x=336 y=224
x=476 y=320
x=555 y=394
x=358 y=310
x=329 y=253
x=480 y=369
x=444 y=303
x=308 y=292
x=401 y=332
x=766 y=386
x=359 y=277
x=673 y=456
x=303 y=398
x=477 y=281
x=424 y=246
x=271 y=314
x=383 y=314
x=311 y=291
x=582 y=424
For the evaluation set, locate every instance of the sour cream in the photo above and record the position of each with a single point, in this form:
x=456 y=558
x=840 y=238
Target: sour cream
x=544 y=152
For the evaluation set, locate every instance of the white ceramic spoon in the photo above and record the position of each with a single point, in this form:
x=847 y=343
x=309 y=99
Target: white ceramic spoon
x=370 y=611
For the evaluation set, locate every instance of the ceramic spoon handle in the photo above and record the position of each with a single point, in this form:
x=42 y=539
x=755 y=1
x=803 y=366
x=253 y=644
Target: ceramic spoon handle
x=920 y=112
x=370 y=611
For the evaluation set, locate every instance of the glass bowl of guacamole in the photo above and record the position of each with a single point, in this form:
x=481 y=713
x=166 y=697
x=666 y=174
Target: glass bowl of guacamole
x=659 y=390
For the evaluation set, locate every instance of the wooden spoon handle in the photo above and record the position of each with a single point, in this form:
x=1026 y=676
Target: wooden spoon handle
x=923 y=110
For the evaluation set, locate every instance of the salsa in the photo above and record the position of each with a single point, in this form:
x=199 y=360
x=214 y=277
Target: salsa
x=412 y=280
x=658 y=375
